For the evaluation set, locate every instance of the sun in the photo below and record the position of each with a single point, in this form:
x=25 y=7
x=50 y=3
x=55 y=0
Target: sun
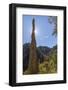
x=36 y=31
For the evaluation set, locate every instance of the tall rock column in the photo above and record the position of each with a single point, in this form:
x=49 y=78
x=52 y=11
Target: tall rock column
x=33 y=62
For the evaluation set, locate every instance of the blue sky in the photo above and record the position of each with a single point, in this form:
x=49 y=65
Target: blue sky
x=43 y=30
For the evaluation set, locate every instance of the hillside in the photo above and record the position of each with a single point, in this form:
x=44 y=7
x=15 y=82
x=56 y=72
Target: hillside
x=41 y=51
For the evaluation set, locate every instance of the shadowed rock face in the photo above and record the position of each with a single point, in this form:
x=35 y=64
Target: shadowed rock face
x=25 y=56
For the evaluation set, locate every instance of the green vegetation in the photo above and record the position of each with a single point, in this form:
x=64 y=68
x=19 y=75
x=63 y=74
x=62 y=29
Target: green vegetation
x=51 y=67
